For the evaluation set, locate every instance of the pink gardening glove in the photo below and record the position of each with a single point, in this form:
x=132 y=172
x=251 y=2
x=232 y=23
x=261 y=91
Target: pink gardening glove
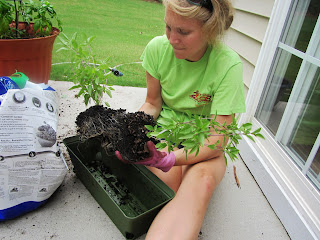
x=162 y=160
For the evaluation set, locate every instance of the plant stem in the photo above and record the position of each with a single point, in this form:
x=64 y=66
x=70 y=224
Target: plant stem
x=16 y=17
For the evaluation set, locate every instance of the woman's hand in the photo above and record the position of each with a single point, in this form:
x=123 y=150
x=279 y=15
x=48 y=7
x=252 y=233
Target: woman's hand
x=161 y=160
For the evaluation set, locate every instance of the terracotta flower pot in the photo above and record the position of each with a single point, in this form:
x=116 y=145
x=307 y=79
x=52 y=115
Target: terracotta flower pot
x=30 y=56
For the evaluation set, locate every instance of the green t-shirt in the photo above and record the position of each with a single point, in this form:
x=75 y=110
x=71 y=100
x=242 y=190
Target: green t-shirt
x=212 y=85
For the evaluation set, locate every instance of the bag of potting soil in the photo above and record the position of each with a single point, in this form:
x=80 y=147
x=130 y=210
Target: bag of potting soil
x=31 y=166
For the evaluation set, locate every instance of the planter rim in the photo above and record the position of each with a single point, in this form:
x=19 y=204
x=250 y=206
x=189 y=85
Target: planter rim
x=55 y=32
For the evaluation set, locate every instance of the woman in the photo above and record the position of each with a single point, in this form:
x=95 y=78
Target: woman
x=189 y=69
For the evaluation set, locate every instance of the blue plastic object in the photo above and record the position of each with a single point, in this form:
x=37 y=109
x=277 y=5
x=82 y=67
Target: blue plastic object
x=5 y=84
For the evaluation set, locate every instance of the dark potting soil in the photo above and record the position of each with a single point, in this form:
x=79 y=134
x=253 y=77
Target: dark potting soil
x=117 y=130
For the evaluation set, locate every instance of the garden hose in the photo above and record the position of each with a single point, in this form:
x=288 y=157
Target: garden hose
x=113 y=70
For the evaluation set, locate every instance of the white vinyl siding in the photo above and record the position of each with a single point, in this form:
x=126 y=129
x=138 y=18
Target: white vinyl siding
x=258 y=7
x=247 y=33
x=246 y=47
x=251 y=25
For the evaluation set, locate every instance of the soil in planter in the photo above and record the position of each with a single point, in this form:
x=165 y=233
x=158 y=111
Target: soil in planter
x=116 y=190
x=117 y=130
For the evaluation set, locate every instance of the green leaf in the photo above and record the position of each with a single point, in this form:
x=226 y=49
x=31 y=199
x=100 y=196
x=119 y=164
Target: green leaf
x=197 y=121
x=174 y=115
x=188 y=136
x=161 y=145
x=82 y=90
x=198 y=150
x=154 y=134
x=74 y=87
x=256 y=131
x=165 y=121
x=36 y=25
x=247 y=126
x=233 y=150
x=212 y=146
x=201 y=138
x=74 y=37
x=63 y=49
x=149 y=127
x=90 y=39
x=163 y=134
x=225 y=158
x=237 y=136
x=260 y=136
x=90 y=89
x=74 y=44
x=251 y=138
x=215 y=124
x=109 y=93
x=86 y=99
x=96 y=95
x=189 y=144
x=195 y=148
x=223 y=141
x=206 y=125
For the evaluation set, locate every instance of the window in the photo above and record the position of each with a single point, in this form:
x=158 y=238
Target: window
x=290 y=105
x=284 y=100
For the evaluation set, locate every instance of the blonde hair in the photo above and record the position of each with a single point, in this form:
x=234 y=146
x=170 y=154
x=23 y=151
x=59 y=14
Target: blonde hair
x=215 y=23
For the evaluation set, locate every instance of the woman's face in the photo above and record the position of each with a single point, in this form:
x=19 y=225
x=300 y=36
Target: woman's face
x=185 y=36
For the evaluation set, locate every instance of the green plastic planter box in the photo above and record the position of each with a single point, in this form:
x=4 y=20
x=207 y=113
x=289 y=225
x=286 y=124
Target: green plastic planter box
x=130 y=194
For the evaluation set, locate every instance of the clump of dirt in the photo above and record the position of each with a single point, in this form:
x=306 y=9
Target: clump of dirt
x=117 y=130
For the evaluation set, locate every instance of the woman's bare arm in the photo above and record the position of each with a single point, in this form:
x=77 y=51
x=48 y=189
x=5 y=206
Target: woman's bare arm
x=153 y=103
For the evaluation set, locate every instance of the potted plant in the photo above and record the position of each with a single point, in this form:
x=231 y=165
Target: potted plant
x=26 y=38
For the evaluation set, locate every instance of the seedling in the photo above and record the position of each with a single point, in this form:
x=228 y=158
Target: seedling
x=88 y=73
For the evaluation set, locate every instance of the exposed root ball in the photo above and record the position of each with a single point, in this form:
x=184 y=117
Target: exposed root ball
x=117 y=130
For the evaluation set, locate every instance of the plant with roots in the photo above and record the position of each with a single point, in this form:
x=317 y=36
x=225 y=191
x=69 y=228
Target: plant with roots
x=191 y=131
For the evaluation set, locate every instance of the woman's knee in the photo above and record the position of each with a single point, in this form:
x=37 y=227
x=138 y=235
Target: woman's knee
x=206 y=180
x=210 y=175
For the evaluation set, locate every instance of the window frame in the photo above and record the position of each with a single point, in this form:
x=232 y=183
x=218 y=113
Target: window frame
x=293 y=197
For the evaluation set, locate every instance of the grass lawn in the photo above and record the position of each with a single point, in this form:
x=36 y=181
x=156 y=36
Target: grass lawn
x=122 y=29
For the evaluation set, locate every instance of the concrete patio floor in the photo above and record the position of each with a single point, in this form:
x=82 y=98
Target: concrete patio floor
x=72 y=213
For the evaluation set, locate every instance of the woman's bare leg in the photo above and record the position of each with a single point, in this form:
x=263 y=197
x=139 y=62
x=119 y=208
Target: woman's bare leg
x=182 y=217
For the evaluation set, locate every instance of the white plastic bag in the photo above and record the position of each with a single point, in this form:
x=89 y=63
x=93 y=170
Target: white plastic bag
x=31 y=166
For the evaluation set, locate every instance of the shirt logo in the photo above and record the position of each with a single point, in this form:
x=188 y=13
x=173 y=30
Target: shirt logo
x=201 y=99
